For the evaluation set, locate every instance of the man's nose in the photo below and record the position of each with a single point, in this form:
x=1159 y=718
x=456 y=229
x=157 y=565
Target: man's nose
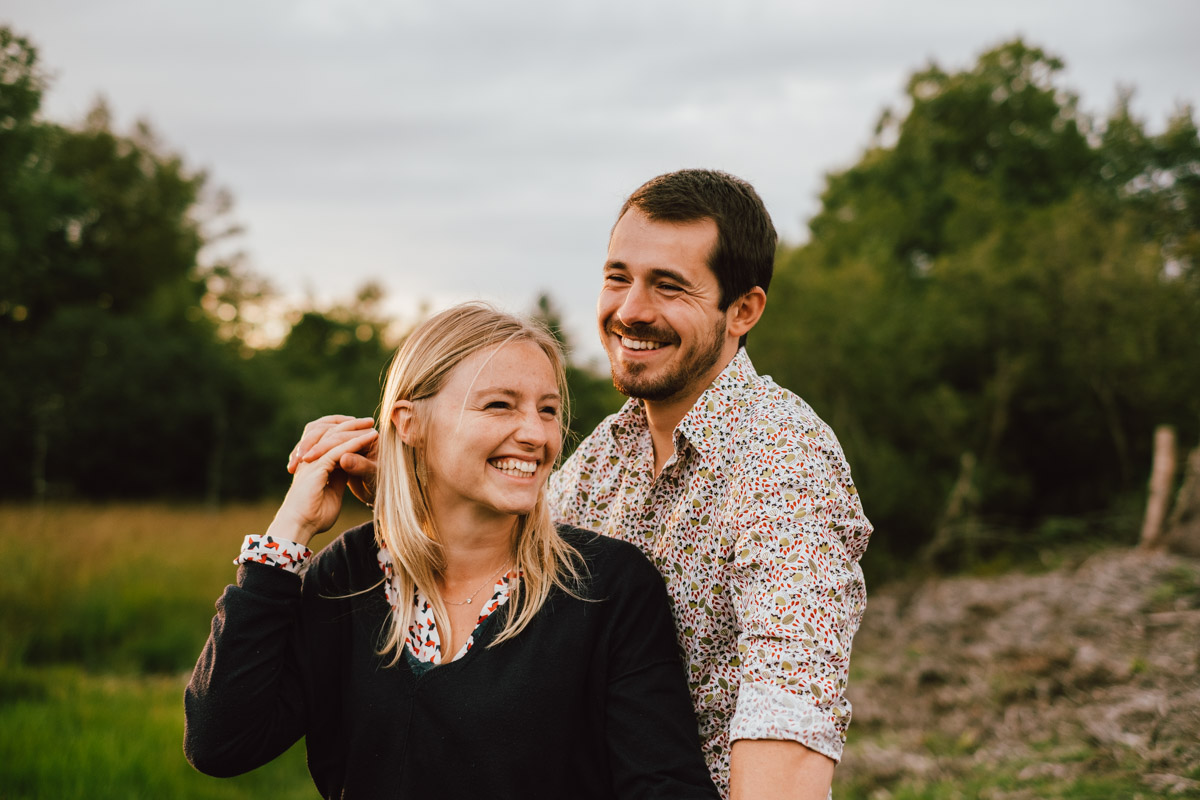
x=637 y=307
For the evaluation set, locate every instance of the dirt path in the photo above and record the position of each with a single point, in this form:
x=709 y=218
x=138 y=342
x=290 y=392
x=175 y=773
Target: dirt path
x=1027 y=686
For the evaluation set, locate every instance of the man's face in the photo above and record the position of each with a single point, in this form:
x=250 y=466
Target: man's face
x=665 y=336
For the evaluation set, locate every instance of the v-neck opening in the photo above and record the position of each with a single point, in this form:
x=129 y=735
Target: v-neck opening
x=481 y=636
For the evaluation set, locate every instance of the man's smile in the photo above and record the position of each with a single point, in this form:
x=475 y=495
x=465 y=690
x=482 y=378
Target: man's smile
x=640 y=344
x=641 y=338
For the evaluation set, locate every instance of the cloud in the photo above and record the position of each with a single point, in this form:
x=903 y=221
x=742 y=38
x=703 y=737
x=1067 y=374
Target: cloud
x=458 y=145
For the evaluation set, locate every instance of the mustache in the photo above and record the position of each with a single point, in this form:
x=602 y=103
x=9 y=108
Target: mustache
x=645 y=332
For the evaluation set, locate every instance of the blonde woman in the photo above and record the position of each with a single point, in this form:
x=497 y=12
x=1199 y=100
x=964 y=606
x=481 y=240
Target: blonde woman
x=460 y=645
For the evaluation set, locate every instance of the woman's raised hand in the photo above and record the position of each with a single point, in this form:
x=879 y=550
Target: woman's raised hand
x=325 y=433
x=314 y=500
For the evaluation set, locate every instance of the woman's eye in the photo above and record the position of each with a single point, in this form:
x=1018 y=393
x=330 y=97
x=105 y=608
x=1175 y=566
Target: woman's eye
x=497 y=404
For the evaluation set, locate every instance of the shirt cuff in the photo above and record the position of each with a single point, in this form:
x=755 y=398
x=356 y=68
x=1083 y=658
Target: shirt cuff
x=274 y=552
x=769 y=712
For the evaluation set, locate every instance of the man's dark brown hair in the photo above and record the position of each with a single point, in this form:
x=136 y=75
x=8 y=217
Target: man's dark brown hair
x=744 y=256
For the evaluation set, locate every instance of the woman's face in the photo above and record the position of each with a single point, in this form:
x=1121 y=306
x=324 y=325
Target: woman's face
x=493 y=434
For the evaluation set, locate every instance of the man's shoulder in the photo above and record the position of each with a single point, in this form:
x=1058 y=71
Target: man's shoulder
x=771 y=408
x=775 y=432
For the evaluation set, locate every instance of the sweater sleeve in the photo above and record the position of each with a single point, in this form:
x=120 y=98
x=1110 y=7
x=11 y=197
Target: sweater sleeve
x=246 y=701
x=653 y=742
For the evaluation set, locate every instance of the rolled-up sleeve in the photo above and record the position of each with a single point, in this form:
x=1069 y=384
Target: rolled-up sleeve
x=799 y=594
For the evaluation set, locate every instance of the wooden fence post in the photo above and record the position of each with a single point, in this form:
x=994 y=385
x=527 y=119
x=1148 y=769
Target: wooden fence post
x=1183 y=529
x=1162 y=478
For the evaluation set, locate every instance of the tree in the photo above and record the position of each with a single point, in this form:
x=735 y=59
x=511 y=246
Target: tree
x=117 y=381
x=334 y=358
x=997 y=305
x=591 y=397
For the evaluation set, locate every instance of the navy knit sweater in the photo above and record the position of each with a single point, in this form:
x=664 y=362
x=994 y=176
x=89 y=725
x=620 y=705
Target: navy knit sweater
x=590 y=701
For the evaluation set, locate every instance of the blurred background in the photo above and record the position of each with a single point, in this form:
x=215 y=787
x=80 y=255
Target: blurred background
x=217 y=223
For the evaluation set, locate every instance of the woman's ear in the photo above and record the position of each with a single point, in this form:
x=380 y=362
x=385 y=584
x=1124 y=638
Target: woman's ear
x=404 y=418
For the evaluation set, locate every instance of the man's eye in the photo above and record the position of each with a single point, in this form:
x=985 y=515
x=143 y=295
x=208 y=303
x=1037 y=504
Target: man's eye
x=670 y=287
x=620 y=279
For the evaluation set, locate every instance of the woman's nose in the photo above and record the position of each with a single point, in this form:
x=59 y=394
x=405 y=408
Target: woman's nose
x=531 y=430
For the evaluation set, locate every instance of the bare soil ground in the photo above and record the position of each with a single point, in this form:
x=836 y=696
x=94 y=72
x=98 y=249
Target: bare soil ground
x=1080 y=682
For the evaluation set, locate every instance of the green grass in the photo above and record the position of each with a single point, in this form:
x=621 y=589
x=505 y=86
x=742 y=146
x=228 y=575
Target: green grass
x=104 y=736
x=103 y=611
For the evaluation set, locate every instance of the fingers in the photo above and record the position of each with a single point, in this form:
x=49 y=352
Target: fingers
x=331 y=458
x=361 y=473
x=312 y=433
x=322 y=434
x=357 y=465
x=313 y=476
x=337 y=482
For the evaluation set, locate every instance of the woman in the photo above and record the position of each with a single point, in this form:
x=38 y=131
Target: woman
x=460 y=645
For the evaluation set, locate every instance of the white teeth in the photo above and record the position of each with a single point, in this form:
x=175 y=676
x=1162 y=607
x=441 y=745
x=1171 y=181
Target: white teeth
x=640 y=344
x=514 y=466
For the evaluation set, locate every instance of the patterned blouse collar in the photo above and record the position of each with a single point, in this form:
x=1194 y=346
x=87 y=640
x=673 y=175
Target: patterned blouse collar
x=703 y=427
x=423 y=640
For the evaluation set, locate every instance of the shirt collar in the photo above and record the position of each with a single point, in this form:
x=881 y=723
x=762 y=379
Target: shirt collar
x=629 y=424
x=702 y=425
x=705 y=417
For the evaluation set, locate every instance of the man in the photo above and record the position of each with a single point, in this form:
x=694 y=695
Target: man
x=732 y=485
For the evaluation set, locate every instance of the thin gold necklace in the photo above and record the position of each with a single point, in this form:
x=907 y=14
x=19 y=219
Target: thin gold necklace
x=489 y=582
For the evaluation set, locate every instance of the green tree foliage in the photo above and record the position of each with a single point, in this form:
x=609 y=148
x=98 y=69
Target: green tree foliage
x=116 y=382
x=331 y=361
x=134 y=366
x=997 y=305
x=592 y=396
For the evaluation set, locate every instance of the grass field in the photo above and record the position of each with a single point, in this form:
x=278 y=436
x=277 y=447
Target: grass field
x=103 y=610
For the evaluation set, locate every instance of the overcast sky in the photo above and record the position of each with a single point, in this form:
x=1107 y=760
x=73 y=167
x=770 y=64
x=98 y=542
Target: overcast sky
x=462 y=148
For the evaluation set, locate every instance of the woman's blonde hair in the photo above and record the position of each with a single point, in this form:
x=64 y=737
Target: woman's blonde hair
x=404 y=524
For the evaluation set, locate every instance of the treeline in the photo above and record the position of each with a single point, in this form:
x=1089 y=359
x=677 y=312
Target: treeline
x=996 y=306
x=117 y=380
x=127 y=337
x=998 y=303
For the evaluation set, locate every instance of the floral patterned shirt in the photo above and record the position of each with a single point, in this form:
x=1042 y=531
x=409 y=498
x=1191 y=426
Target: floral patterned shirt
x=423 y=640
x=757 y=529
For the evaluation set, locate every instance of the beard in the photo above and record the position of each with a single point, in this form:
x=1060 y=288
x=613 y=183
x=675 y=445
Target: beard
x=672 y=380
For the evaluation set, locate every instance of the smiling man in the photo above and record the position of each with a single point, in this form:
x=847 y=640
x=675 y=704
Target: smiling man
x=731 y=484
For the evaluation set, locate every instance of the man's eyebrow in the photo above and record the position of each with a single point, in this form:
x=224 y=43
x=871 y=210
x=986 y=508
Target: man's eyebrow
x=657 y=273
x=662 y=273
